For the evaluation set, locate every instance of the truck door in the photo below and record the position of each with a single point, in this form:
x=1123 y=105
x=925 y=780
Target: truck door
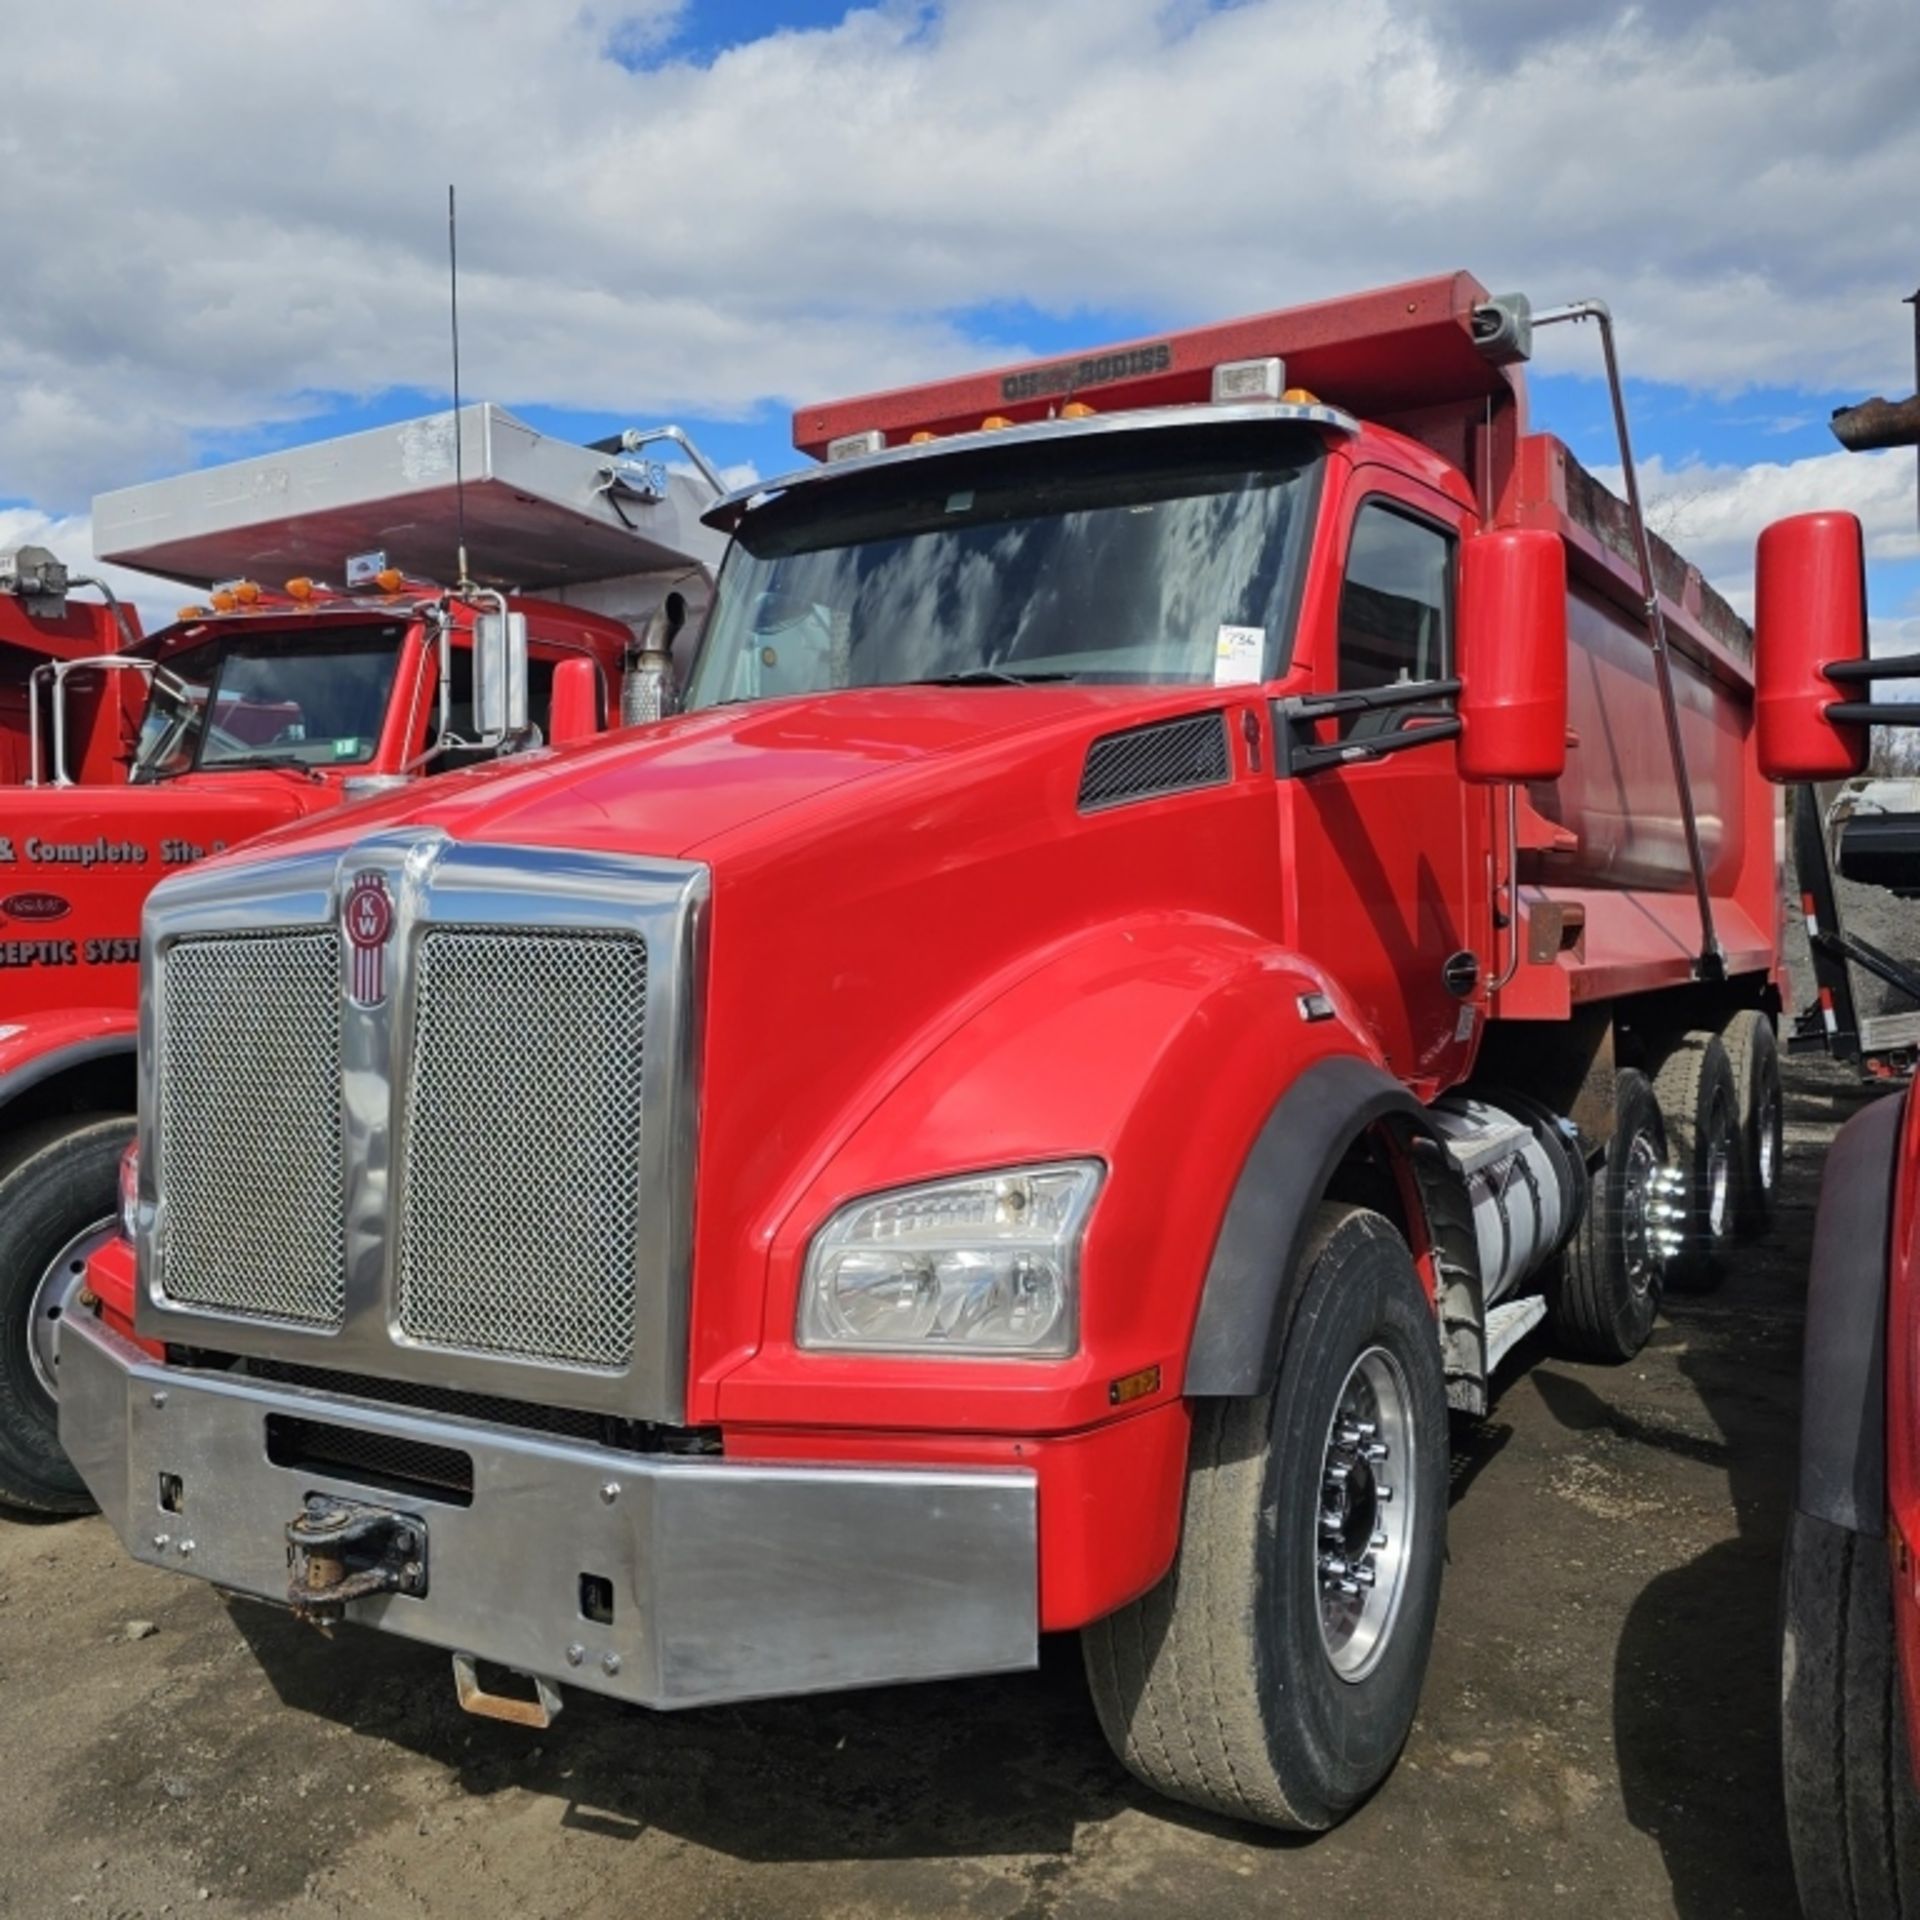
x=1392 y=874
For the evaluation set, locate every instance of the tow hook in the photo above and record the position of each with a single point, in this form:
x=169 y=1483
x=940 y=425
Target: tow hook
x=339 y=1550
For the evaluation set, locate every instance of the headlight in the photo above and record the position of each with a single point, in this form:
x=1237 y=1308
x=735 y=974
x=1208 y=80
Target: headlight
x=984 y=1265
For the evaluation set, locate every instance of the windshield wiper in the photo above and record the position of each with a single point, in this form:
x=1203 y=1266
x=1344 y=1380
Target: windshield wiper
x=986 y=677
x=283 y=762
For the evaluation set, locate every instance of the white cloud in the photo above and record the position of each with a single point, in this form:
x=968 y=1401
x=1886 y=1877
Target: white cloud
x=216 y=210
x=1714 y=514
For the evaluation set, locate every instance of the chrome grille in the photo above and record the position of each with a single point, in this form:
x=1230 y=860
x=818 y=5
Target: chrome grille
x=250 y=1155
x=520 y=1195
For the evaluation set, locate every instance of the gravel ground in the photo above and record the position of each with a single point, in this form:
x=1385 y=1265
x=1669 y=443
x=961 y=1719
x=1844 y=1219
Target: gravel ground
x=1597 y=1736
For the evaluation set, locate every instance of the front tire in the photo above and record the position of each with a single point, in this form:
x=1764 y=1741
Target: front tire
x=1274 y=1674
x=1606 y=1292
x=1853 y=1817
x=56 y=1205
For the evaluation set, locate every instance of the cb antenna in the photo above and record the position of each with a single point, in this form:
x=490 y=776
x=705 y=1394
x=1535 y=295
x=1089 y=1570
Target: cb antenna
x=459 y=469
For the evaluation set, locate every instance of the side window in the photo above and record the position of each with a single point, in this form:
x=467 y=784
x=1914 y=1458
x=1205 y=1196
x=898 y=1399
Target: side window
x=1396 y=604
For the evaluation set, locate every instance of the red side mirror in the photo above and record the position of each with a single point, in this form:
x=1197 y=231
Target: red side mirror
x=1513 y=656
x=1809 y=614
x=575 y=712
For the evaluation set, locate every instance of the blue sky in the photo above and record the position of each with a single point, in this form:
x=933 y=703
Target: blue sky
x=708 y=210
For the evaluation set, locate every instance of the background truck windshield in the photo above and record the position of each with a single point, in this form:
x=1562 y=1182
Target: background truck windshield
x=317 y=697
x=1165 y=555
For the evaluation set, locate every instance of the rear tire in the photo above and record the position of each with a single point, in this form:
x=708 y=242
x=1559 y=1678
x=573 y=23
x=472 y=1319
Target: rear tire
x=55 y=1205
x=1700 y=1107
x=1606 y=1291
x=1853 y=1816
x=1250 y=1682
x=1754 y=1055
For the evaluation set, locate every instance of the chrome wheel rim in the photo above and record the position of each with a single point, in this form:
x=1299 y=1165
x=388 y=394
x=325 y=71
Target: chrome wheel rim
x=1363 y=1532
x=1720 y=1151
x=1767 y=1121
x=54 y=1293
x=1653 y=1213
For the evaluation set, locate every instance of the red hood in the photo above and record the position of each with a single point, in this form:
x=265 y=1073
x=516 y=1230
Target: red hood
x=675 y=788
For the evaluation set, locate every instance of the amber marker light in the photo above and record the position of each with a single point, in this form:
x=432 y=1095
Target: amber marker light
x=1133 y=1386
x=300 y=588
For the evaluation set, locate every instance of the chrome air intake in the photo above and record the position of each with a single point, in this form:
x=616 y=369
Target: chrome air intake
x=425 y=1111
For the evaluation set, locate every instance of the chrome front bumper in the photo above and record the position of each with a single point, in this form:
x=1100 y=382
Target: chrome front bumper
x=730 y=1581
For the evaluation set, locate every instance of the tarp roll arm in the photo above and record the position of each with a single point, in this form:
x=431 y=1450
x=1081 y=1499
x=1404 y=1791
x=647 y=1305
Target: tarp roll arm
x=1711 y=964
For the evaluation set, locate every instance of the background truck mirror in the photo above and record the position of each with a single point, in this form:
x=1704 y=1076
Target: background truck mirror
x=575 y=711
x=1809 y=616
x=499 y=674
x=1513 y=656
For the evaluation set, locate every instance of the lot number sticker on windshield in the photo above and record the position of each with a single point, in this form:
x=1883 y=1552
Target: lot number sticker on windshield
x=1238 y=656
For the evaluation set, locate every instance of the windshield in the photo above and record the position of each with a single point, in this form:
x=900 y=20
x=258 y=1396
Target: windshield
x=316 y=697
x=1168 y=556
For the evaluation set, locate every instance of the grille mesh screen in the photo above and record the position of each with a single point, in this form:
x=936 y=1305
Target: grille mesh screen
x=250 y=1141
x=1169 y=756
x=521 y=1188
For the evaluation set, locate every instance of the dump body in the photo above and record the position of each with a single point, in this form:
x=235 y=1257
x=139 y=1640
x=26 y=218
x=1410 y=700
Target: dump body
x=1063 y=887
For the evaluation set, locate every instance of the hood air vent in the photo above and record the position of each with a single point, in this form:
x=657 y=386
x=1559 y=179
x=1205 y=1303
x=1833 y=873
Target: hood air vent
x=1170 y=756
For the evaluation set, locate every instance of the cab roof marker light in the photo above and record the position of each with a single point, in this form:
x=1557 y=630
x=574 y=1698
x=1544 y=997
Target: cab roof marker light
x=856 y=446
x=1077 y=410
x=1243 y=380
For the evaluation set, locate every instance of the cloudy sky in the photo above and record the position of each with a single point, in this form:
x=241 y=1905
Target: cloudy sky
x=225 y=223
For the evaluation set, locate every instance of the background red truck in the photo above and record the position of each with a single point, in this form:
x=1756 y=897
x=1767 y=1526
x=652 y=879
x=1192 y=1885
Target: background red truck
x=1850 y=1609
x=1189 y=908
x=129 y=758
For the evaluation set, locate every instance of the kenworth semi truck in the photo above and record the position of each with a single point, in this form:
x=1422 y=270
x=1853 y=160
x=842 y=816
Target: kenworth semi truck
x=1198 y=892
x=372 y=666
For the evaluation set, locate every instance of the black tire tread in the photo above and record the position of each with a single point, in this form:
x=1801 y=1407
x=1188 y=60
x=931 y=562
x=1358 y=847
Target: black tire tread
x=27 y=1482
x=1583 y=1299
x=1853 y=1817
x=1175 y=1675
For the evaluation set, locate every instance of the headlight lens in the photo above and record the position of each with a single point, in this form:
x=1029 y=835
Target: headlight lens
x=984 y=1265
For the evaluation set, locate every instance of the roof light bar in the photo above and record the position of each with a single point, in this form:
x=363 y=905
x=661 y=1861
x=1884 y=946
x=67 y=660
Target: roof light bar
x=1237 y=381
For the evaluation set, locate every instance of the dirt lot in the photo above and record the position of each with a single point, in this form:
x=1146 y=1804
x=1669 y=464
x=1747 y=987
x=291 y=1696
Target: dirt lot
x=1597 y=1736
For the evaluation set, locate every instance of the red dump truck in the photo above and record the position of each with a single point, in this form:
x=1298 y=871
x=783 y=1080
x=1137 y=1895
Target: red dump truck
x=1170 y=931
x=1850 y=1595
x=130 y=758
x=41 y=627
